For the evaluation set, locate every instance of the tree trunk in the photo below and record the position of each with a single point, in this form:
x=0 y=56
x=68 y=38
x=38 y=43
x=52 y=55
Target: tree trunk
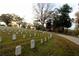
x=61 y=29
x=43 y=28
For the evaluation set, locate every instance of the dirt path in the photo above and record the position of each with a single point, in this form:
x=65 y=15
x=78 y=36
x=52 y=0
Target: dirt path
x=71 y=38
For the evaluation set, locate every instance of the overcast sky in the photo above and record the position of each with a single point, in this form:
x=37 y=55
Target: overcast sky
x=23 y=8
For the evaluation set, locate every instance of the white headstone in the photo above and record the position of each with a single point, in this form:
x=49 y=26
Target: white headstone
x=42 y=41
x=18 y=50
x=14 y=37
x=32 y=44
x=50 y=35
x=45 y=39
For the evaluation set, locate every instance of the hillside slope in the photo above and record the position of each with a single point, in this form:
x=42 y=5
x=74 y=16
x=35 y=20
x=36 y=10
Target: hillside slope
x=53 y=45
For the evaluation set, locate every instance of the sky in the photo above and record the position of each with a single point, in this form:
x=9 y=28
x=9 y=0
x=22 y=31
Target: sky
x=23 y=8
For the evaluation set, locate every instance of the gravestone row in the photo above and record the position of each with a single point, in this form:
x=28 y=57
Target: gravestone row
x=32 y=44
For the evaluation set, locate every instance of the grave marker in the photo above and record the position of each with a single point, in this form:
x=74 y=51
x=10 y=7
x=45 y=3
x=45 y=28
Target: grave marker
x=18 y=50
x=45 y=40
x=14 y=37
x=32 y=44
x=42 y=41
x=50 y=35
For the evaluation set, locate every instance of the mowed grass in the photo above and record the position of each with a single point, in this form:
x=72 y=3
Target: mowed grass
x=54 y=46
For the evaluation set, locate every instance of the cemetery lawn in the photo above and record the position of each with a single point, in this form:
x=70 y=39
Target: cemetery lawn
x=54 y=46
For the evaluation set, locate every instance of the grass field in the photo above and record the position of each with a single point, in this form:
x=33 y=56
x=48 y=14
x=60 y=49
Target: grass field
x=54 y=46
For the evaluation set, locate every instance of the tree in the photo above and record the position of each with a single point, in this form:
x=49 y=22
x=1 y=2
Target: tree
x=19 y=21
x=63 y=20
x=48 y=25
x=42 y=11
x=38 y=25
x=7 y=18
x=17 y=18
x=24 y=24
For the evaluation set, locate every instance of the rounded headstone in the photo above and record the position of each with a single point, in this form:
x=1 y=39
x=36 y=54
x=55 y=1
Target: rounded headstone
x=42 y=41
x=45 y=39
x=14 y=37
x=18 y=50
x=50 y=35
x=32 y=44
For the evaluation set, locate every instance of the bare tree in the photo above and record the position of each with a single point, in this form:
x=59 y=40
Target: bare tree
x=42 y=11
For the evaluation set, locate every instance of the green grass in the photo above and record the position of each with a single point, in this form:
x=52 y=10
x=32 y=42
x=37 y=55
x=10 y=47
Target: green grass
x=55 y=46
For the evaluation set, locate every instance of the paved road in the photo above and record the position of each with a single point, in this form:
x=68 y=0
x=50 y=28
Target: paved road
x=71 y=38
